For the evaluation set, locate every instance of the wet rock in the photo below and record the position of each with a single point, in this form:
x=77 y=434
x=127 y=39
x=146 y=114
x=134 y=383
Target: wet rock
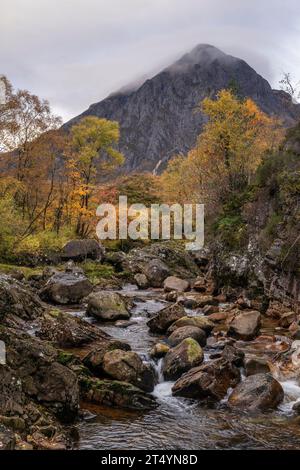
x=107 y=306
x=117 y=394
x=196 y=300
x=232 y=355
x=116 y=259
x=200 y=322
x=67 y=331
x=79 y=250
x=66 y=288
x=208 y=382
x=287 y=319
x=156 y=272
x=187 y=332
x=218 y=317
x=256 y=365
x=127 y=366
x=182 y=358
x=296 y=407
x=171 y=296
x=7 y=438
x=257 y=392
x=18 y=299
x=209 y=309
x=165 y=317
x=245 y=325
x=141 y=280
x=173 y=283
x=159 y=350
x=94 y=359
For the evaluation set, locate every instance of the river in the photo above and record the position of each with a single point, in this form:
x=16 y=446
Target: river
x=179 y=423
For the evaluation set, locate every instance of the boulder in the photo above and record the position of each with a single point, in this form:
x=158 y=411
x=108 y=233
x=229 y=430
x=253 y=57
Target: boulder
x=245 y=326
x=218 y=317
x=176 y=261
x=159 y=350
x=156 y=272
x=141 y=280
x=18 y=299
x=66 y=288
x=94 y=359
x=79 y=250
x=33 y=373
x=56 y=386
x=165 y=317
x=200 y=322
x=287 y=319
x=257 y=392
x=256 y=365
x=107 y=306
x=127 y=366
x=182 y=358
x=67 y=331
x=196 y=300
x=117 y=394
x=208 y=382
x=173 y=283
x=187 y=332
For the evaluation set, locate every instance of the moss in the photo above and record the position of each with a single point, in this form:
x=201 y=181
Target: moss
x=65 y=358
x=8 y=268
x=194 y=350
x=96 y=271
x=55 y=312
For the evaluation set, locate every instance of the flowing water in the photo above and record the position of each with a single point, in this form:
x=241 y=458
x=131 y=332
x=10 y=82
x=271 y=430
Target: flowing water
x=179 y=423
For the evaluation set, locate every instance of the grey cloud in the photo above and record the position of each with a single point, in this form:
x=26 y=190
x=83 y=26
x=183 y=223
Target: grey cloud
x=75 y=52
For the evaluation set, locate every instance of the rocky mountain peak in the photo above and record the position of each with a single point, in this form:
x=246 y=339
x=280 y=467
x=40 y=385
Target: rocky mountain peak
x=157 y=118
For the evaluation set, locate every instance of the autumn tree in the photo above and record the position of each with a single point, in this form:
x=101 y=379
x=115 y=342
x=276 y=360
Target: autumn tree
x=227 y=152
x=92 y=153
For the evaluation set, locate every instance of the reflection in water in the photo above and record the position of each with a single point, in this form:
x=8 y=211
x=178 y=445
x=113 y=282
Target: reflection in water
x=180 y=423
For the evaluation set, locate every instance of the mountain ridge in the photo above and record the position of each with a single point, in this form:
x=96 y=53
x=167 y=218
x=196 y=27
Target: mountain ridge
x=158 y=119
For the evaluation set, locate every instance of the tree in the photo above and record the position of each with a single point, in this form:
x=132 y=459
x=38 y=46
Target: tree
x=92 y=153
x=228 y=151
x=291 y=87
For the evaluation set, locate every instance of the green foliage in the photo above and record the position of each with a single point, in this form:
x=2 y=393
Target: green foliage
x=96 y=271
x=232 y=230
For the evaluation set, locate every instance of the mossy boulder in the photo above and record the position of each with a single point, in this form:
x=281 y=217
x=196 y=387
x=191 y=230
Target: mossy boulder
x=182 y=358
x=117 y=394
x=107 y=306
x=187 y=332
x=198 y=321
x=127 y=366
x=160 y=322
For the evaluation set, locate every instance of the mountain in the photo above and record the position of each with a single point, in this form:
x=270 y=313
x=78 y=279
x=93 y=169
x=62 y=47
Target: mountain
x=159 y=119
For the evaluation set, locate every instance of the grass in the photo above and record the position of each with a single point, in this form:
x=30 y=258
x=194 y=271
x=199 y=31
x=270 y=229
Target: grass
x=96 y=271
x=8 y=268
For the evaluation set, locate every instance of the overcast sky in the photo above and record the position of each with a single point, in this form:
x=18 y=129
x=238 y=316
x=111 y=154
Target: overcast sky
x=76 y=52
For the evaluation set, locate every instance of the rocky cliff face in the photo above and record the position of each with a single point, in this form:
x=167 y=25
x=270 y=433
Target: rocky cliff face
x=160 y=118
